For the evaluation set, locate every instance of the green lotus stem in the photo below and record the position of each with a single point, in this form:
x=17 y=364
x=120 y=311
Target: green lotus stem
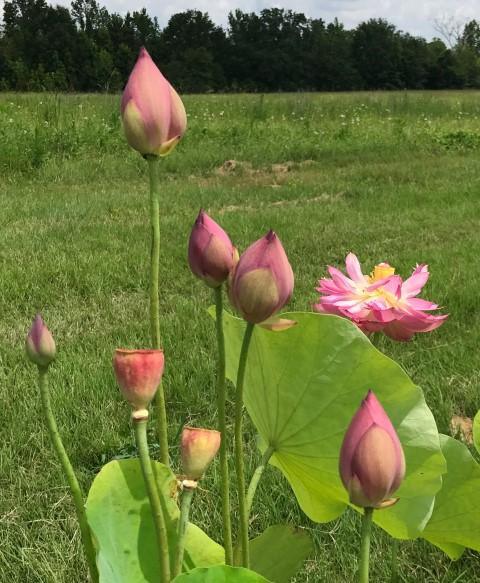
x=67 y=468
x=365 y=545
x=252 y=488
x=154 y=302
x=187 y=496
x=140 y=425
x=394 y=561
x=239 y=464
x=222 y=427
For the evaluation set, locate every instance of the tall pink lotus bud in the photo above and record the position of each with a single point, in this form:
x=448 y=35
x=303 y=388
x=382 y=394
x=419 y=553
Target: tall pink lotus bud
x=262 y=282
x=372 y=463
x=198 y=448
x=138 y=374
x=211 y=254
x=153 y=114
x=40 y=345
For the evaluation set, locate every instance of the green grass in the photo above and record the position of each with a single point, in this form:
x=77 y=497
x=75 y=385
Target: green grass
x=391 y=176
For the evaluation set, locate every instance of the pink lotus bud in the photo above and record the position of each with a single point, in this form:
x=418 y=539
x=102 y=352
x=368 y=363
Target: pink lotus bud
x=211 y=254
x=138 y=373
x=153 y=114
x=372 y=463
x=262 y=282
x=198 y=448
x=40 y=345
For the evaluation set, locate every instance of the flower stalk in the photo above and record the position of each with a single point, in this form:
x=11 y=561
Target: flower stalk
x=222 y=426
x=154 y=301
x=187 y=496
x=239 y=461
x=252 y=488
x=365 y=546
x=140 y=419
x=67 y=468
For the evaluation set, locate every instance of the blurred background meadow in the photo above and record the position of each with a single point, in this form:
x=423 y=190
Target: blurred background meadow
x=390 y=176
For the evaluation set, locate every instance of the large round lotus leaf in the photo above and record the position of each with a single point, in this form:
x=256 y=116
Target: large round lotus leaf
x=302 y=387
x=476 y=431
x=220 y=574
x=279 y=552
x=118 y=512
x=455 y=521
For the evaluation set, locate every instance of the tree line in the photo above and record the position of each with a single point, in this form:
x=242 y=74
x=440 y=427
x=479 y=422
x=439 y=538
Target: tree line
x=86 y=48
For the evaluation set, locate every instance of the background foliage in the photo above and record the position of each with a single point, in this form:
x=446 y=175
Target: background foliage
x=86 y=48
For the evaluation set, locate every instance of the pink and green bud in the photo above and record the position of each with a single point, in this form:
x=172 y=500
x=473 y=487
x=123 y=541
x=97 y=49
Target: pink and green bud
x=198 y=448
x=262 y=282
x=372 y=462
x=138 y=374
x=153 y=115
x=40 y=345
x=211 y=254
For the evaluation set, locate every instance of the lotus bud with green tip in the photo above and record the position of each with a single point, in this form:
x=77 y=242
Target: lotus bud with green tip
x=198 y=448
x=372 y=463
x=40 y=345
x=262 y=282
x=153 y=115
x=211 y=255
x=138 y=374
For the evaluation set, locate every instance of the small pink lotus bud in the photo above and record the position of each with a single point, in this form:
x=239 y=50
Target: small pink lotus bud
x=153 y=114
x=198 y=448
x=372 y=463
x=211 y=254
x=40 y=345
x=138 y=374
x=262 y=282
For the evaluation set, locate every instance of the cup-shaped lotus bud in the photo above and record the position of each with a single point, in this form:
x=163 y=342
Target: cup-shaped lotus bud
x=262 y=282
x=211 y=254
x=138 y=374
x=40 y=345
x=372 y=463
x=153 y=114
x=198 y=448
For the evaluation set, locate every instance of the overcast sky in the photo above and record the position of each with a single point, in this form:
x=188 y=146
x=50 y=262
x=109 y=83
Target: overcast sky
x=414 y=16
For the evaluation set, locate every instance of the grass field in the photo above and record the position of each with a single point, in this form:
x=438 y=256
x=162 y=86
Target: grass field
x=391 y=176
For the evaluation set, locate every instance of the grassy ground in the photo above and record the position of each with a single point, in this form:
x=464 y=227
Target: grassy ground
x=393 y=177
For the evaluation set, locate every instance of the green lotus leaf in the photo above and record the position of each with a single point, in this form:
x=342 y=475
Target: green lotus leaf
x=220 y=574
x=302 y=387
x=455 y=521
x=279 y=552
x=476 y=431
x=119 y=515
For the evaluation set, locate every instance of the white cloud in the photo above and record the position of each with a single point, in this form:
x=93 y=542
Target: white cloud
x=413 y=16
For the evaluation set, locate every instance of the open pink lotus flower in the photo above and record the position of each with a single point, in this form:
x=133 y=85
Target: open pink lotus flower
x=381 y=301
x=372 y=463
x=153 y=114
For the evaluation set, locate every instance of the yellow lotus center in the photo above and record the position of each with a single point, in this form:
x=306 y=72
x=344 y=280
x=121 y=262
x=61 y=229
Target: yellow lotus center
x=381 y=271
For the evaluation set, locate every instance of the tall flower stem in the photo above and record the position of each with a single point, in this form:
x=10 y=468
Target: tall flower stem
x=140 y=425
x=154 y=301
x=365 y=546
x=67 y=468
x=394 y=561
x=187 y=496
x=222 y=427
x=252 y=488
x=239 y=462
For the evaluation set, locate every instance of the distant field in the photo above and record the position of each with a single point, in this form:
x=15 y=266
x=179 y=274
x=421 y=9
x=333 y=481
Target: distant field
x=391 y=176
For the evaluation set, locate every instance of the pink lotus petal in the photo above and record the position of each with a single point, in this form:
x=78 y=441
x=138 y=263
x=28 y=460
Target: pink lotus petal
x=414 y=284
x=354 y=269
